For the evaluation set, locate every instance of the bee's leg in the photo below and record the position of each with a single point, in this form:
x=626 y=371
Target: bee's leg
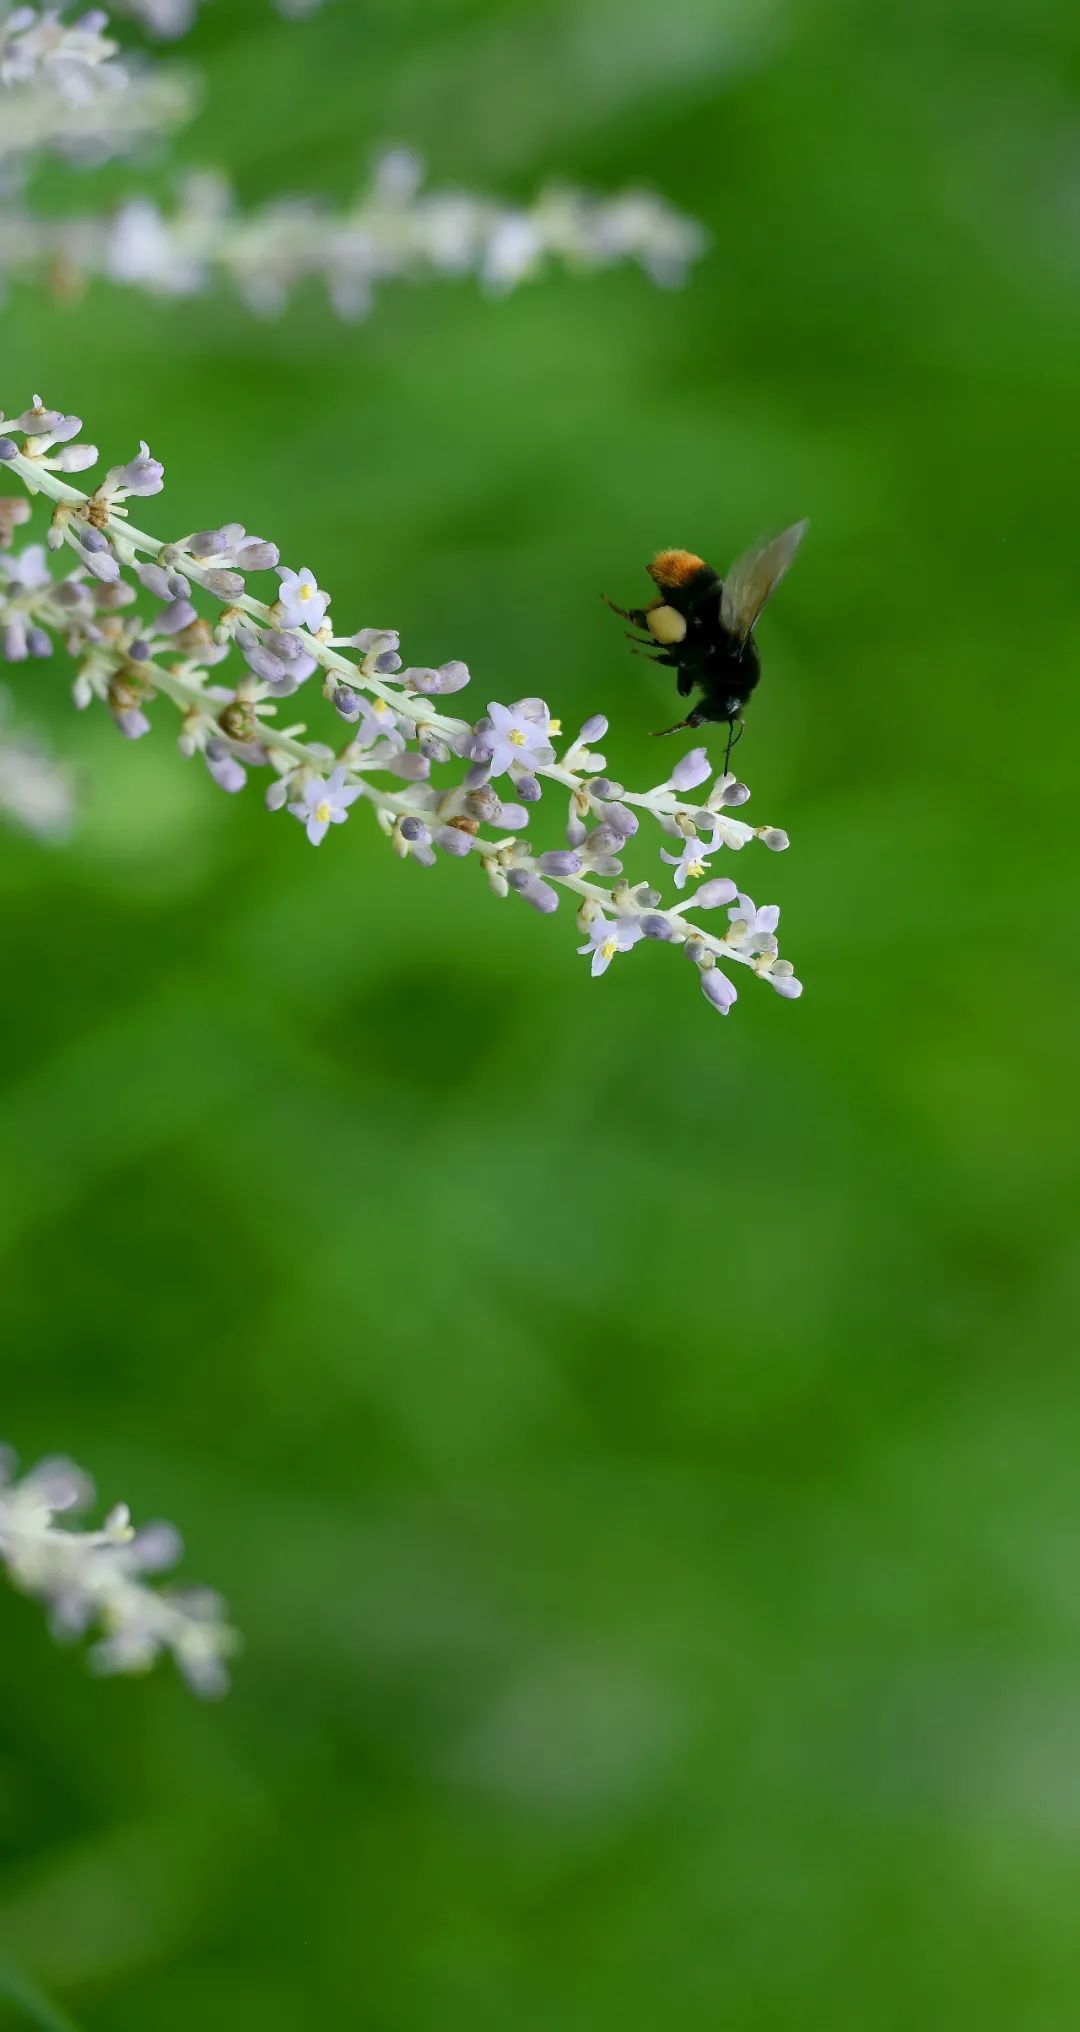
x=733 y=740
x=684 y=684
x=691 y=720
x=634 y=614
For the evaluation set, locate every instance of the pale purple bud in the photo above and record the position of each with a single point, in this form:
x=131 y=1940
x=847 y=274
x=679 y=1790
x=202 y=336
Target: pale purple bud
x=8 y=448
x=576 y=831
x=453 y=676
x=60 y=1485
x=513 y=817
x=483 y=805
x=412 y=828
x=154 y=579
x=655 y=926
x=712 y=894
x=64 y=428
x=594 y=729
x=139 y=651
x=648 y=899
x=368 y=639
x=155 y=1547
x=540 y=894
x=165 y=585
x=718 y=990
x=692 y=770
x=731 y=792
x=559 y=863
x=207 y=543
x=477 y=775
x=256 y=556
x=602 y=840
x=277 y=794
x=103 y=565
x=90 y=538
x=453 y=841
x=387 y=663
x=786 y=985
x=13 y=641
x=38 y=643
x=179 y=614
x=434 y=749
x=132 y=723
x=225 y=585
x=412 y=768
x=346 y=702
x=421 y=679
x=76 y=458
x=528 y=789
x=775 y=839
x=226 y=771
x=622 y=820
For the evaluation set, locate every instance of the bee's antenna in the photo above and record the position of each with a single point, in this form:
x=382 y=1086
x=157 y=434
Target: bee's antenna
x=659 y=732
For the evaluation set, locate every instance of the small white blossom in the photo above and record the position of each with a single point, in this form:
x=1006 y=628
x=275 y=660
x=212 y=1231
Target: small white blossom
x=751 y=928
x=303 y=605
x=325 y=802
x=693 y=862
x=142 y=475
x=27 y=570
x=607 y=937
x=516 y=740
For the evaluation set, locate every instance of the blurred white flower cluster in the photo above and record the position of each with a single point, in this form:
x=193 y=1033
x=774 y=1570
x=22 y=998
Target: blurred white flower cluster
x=394 y=230
x=65 y=90
x=100 y=1580
x=128 y=614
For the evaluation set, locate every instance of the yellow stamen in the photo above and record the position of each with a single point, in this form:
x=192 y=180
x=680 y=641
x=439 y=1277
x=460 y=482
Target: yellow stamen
x=518 y=738
x=696 y=869
x=380 y=706
x=554 y=726
x=322 y=812
x=609 y=948
x=306 y=592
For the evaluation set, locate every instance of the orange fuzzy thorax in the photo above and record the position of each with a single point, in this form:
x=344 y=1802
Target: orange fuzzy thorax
x=674 y=567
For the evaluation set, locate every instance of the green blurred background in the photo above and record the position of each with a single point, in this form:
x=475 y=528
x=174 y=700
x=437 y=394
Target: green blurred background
x=639 y=1449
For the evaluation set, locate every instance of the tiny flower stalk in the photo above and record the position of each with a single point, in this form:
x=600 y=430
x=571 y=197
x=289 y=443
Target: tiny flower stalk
x=227 y=660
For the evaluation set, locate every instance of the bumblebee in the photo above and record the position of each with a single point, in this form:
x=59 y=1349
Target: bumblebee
x=703 y=626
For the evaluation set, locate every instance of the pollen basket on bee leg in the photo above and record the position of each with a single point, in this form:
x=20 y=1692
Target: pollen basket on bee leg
x=666 y=625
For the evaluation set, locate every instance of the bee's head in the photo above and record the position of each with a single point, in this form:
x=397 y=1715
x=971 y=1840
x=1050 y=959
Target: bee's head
x=674 y=568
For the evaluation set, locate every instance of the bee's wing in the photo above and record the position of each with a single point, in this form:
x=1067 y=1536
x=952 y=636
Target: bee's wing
x=754 y=576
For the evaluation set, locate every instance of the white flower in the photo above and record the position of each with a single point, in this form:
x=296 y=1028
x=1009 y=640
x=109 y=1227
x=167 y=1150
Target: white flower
x=608 y=936
x=303 y=605
x=325 y=802
x=27 y=570
x=693 y=862
x=142 y=475
x=516 y=739
x=753 y=930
